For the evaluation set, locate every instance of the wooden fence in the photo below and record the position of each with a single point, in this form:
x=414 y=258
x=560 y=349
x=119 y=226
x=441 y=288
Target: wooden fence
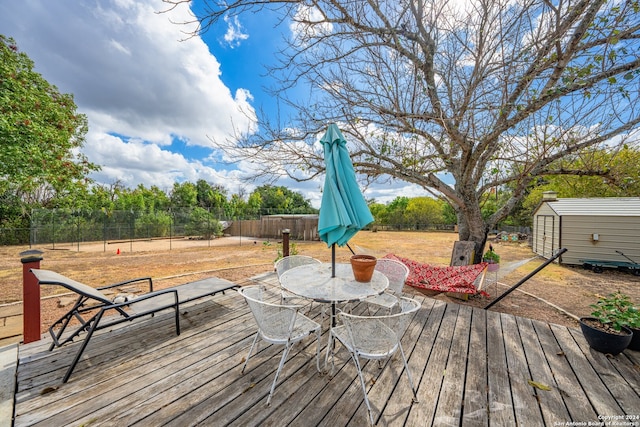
x=270 y=227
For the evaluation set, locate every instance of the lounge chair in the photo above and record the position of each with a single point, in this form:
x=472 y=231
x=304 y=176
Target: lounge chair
x=92 y=305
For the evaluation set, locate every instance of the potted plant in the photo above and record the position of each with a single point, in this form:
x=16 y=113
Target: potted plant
x=492 y=258
x=606 y=330
x=630 y=318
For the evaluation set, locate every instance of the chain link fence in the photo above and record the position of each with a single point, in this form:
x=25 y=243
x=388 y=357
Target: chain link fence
x=78 y=229
x=65 y=227
x=91 y=230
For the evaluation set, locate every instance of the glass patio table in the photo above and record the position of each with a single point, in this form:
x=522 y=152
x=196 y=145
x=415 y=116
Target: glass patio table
x=314 y=281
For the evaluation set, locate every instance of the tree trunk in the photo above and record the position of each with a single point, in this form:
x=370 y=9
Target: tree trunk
x=471 y=227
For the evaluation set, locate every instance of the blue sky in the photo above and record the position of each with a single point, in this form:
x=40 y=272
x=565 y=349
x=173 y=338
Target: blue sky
x=152 y=100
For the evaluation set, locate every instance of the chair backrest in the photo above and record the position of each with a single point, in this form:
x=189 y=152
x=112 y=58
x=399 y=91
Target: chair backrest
x=395 y=271
x=291 y=261
x=47 y=277
x=379 y=335
x=275 y=321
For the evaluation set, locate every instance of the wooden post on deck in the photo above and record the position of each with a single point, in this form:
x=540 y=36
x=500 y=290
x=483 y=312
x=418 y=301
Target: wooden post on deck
x=30 y=296
x=285 y=242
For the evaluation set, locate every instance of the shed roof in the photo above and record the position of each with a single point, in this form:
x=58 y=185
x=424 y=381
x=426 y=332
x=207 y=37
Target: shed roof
x=597 y=206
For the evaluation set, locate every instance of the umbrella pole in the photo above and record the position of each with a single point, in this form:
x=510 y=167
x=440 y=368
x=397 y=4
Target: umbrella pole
x=333 y=260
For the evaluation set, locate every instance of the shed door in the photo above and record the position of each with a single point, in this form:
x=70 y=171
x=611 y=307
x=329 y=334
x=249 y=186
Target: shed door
x=545 y=235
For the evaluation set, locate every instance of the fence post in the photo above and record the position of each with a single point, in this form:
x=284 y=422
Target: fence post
x=30 y=296
x=285 y=242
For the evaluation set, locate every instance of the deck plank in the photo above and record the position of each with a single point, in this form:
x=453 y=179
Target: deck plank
x=624 y=395
x=628 y=368
x=433 y=376
x=588 y=380
x=471 y=368
x=224 y=399
x=554 y=411
x=499 y=391
x=449 y=411
x=201 y=368
x=525 y=404
x=474 y=406
x=577 y=405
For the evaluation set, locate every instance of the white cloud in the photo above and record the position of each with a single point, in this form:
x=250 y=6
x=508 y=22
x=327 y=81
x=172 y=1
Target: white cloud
x=130 y=73
x=234 y=34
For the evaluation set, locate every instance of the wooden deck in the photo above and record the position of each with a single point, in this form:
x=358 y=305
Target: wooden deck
x=472 y=368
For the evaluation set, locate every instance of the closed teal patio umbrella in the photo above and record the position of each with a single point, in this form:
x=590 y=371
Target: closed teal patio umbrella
x=343 y=211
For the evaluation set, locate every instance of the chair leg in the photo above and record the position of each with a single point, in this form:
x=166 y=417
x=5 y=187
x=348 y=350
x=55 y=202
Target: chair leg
x=406 y=368
x=318 y=337
x=329 y=352
x=364 y=387
x=250 y=350
x=285 y=353
x=83 y=346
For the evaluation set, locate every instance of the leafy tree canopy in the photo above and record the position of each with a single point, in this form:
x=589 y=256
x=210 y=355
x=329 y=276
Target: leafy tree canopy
x=40 y=130
x=184 y=194
x=278 y=199
x=622 y=177
x=210 y=196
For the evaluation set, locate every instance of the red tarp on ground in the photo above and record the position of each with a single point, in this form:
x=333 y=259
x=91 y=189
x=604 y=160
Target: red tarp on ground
x=459 y=279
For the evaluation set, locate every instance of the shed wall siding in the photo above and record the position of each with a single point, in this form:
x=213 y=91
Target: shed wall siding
x=614 y=233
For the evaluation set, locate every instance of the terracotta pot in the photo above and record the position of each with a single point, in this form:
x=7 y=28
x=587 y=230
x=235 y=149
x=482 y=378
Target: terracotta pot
x=363 y=266
x=602 y=341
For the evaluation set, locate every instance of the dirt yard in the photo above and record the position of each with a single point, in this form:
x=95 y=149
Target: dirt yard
x=553 y=295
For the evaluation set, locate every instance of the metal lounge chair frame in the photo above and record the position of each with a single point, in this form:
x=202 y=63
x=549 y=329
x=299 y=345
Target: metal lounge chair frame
x=373 y=338
x=95 y=304
x=278 y=324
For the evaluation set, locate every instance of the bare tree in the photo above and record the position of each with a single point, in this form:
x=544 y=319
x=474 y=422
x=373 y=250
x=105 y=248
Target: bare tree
x=458 y=97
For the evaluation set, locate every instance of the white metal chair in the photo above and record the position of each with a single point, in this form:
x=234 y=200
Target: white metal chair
x=397 y=274
x=287 y=263
x=373 y=338
x=278 y=324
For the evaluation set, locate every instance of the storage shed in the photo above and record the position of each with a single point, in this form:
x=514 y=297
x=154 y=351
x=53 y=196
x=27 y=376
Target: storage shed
x=590 y=228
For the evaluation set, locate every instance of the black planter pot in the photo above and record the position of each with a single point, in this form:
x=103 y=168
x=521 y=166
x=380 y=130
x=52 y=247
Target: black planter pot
x=635 y=340
x=605 y=342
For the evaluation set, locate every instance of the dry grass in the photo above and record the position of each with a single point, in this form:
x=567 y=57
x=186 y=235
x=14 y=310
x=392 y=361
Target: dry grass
x=572 y=289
